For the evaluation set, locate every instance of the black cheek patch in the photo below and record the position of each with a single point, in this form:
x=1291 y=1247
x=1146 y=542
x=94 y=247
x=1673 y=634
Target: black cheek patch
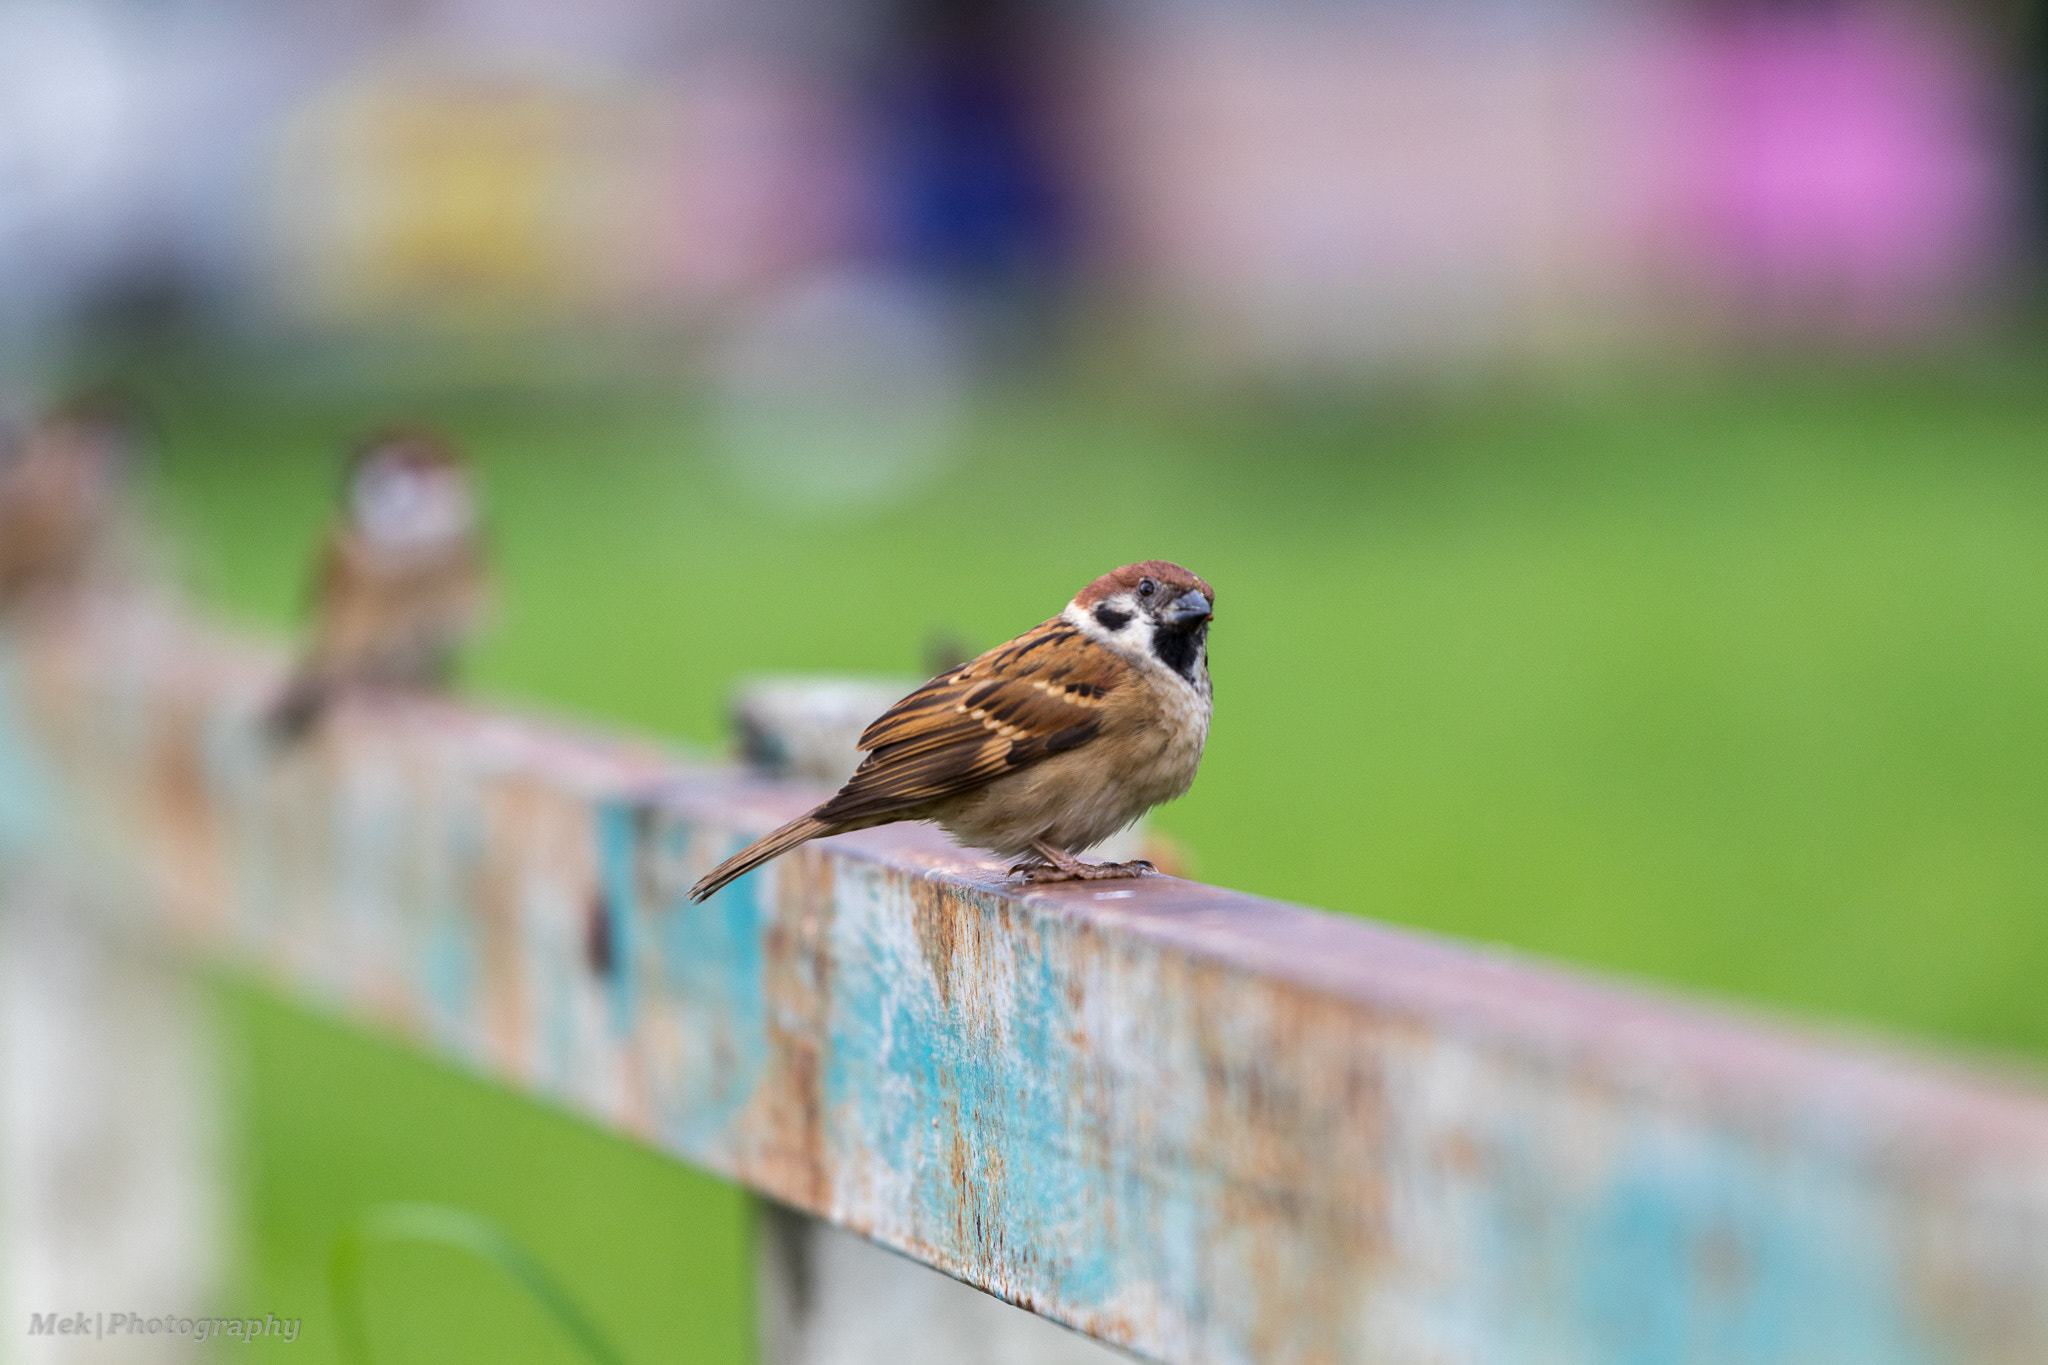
x=1179 y=650
x=1110 y=619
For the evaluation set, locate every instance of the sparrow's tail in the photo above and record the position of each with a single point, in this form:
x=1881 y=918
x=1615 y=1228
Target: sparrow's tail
x=295 y=712
x=800 y=830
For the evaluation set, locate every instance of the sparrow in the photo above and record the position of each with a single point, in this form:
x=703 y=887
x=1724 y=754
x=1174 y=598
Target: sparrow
x=400 y=584
x=1042 y=747
x=61 y=497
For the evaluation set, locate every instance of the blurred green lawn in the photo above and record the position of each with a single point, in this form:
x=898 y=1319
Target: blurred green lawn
x=1739 y=683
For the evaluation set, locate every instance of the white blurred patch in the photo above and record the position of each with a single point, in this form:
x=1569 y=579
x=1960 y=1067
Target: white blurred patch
x=400 y=506
x=844 y=390
x=63 y=109
x=110 y=1104
x=826 y=1297
x=65 y=177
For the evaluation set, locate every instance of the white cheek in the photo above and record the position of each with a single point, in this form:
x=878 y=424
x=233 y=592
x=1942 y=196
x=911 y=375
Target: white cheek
x=1133 y=638
x=1134 y=634
x=402 y=513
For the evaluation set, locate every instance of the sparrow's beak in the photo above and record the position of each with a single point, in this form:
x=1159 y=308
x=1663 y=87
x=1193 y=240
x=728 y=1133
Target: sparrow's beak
x=1190 y=608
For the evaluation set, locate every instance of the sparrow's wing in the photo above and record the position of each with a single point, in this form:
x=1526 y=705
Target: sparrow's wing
x=392 y=618
x=371 y=625
x=333 y=594
x=1041 y=694
x=330 y=570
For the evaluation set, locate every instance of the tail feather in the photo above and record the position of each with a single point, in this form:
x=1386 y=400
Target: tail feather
x=800 y=830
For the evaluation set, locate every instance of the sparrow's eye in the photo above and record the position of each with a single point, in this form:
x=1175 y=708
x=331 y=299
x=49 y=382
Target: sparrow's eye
x=1146 y=587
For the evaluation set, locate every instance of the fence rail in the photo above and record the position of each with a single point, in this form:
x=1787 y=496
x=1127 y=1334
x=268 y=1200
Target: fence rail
x=1195 y=1124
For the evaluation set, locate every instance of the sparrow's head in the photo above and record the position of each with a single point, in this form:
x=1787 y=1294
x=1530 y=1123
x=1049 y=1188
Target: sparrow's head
x=93 y=441
x=409 y=491
x=1153 y=608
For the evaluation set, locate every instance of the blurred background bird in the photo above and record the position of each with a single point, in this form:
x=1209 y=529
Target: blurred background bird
x=62 y=491
x=401 y=584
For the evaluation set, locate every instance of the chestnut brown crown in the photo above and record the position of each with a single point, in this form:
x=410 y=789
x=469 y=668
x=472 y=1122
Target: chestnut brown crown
x=1169 y=581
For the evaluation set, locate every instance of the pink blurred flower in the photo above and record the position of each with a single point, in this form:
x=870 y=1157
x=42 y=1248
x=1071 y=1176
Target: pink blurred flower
x=1839 y=159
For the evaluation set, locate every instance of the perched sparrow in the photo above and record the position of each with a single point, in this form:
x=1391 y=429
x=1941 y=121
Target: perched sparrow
x=401 y=583
x=61 y=489
x=1044 y=746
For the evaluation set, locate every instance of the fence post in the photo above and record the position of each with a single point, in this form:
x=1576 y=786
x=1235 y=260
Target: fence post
x=823 y=1296
x=112 y=1194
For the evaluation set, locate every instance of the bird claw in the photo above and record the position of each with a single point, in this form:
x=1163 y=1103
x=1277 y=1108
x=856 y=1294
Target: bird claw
x=1038 y=874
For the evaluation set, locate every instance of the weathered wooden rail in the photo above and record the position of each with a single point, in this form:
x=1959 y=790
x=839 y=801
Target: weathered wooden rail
x=1195 y=1124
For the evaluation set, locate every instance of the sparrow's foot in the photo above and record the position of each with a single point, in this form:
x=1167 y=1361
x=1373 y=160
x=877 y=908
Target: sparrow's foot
x=1037 y=873
x=1058 y=865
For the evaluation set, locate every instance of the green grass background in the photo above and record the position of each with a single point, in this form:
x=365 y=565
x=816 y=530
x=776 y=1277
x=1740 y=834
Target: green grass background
x=1738 y=682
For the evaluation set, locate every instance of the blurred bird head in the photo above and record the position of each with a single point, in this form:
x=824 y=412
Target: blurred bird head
x=85 y=449
x=62 y=485
x=408 y=490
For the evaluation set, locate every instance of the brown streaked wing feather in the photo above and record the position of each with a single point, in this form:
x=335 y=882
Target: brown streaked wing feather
x=1039 y=695
x=341 y=598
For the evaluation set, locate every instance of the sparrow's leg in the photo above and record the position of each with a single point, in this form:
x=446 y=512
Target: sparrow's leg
x=1062 y=866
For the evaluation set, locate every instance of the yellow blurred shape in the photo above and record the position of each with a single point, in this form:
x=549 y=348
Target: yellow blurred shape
x=467 y=197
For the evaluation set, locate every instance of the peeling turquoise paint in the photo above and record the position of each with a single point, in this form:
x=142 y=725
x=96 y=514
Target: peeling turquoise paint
x=449 y=982
x=1655 y=1235
x=708 y=990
